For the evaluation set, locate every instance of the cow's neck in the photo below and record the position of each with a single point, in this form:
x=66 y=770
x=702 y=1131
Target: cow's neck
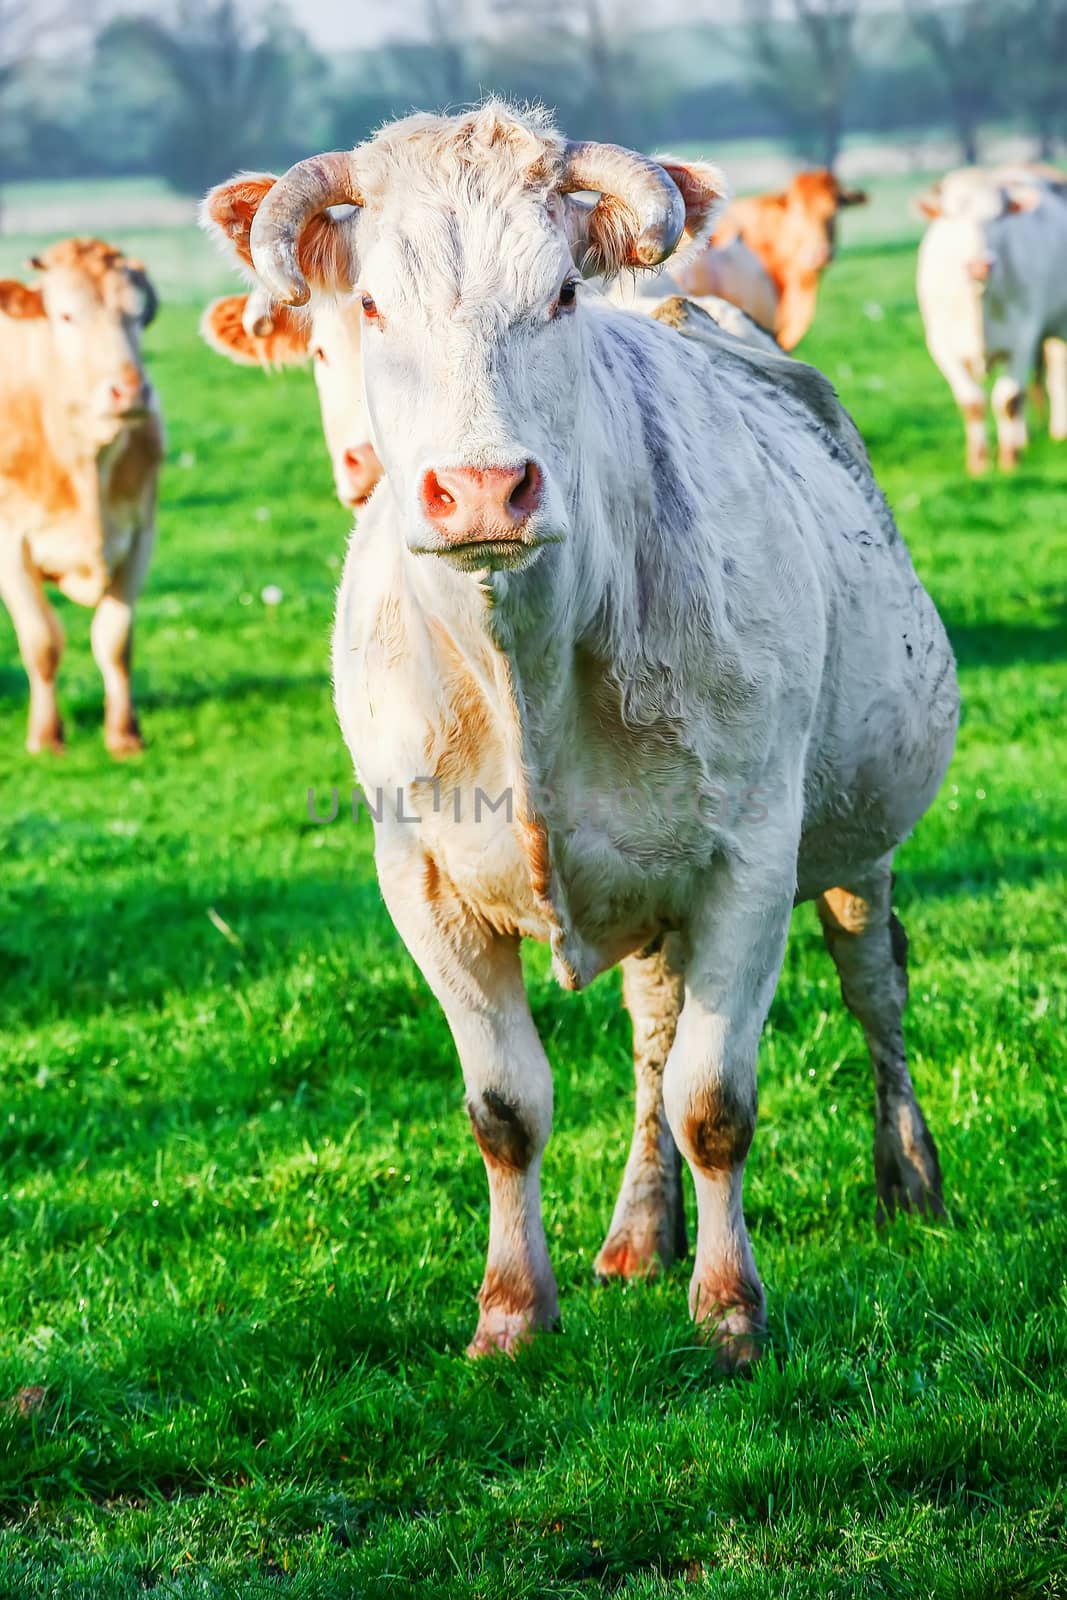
x=552 y=647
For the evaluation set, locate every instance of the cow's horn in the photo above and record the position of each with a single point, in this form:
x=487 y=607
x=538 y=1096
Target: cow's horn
x=286 y=208
x=608 y=169
x=258 y=320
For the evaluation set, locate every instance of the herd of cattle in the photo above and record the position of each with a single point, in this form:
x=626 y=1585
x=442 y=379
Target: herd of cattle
x=625 y=623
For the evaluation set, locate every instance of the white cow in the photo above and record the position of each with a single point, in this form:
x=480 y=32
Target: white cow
x=992 y=288
x=250 y=331
x=628 y=628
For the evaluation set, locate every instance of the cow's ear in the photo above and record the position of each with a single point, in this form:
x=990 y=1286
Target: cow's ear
x=19 y=300
x=1022 y=197
x=852 y=197
x=928 y=205
x=326 y=244
x=705 y=190
x=226 y=212
x=223 y=327
x=601 y=232
x=150 y=300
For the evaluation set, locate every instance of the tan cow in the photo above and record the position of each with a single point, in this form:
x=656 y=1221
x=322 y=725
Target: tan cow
x=792 y=235
x=247 y=329
x=81 y=442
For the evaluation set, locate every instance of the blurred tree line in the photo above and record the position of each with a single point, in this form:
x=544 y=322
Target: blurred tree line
x=195 y=89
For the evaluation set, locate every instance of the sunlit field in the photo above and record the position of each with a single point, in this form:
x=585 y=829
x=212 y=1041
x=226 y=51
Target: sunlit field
x=243 y=1216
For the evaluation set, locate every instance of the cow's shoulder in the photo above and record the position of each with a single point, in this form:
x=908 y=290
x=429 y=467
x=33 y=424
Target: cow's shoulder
x=771 y=368
x=787 y=386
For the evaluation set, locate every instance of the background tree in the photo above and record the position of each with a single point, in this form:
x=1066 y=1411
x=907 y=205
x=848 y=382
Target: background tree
x=967 y=43
x=1035 y=83
x=25 y=26
x=227 y=80
x=802 y=60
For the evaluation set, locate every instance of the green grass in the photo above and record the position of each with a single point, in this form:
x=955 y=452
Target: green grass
x=243 y=1218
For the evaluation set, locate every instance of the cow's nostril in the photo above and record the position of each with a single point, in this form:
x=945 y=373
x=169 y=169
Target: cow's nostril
x=526 y=495
x=435 y=497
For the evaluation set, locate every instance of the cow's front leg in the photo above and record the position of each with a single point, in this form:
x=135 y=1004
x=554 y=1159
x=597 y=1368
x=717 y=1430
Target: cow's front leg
x=1055 y=351
x=648 y=1225
x=111 y=636
x=736 y=945
x=40 y=639
x=476 y=976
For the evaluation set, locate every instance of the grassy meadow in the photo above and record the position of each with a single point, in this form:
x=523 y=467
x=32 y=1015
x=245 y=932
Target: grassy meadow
x=242 y=1216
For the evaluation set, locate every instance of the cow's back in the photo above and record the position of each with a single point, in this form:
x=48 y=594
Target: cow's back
x=883 y=729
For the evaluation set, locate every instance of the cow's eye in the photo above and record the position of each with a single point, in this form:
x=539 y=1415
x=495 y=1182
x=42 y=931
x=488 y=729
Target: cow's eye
x=319 y=353
x=66 y=316
x=568 y=294
x=370 y=310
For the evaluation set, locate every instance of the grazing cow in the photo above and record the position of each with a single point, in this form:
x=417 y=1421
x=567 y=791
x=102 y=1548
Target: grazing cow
x=247 y=329
x=81 y=442
x=792 y=235
x=992 y=289
x=629 y=656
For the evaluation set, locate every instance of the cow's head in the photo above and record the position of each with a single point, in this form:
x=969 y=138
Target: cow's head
x=465 y=254
x=96 y=302
x=812 y=202
x=248 y=329
x=969 y=207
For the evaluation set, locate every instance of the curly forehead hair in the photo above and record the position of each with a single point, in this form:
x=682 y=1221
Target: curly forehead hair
x=498 y=148
x=93 y=257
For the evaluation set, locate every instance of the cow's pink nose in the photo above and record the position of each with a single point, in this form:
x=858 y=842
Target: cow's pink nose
x=469 y=504
x=128 y=390
x=362 y=470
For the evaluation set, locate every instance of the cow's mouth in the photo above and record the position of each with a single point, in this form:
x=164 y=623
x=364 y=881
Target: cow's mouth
x=496 y=555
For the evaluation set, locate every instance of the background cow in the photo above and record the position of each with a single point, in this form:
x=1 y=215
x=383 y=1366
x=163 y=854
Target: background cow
x=81 y=443
x=249 y=330
x=792 y=236
x=992 y=288
x=714 y=278
x=644 y=585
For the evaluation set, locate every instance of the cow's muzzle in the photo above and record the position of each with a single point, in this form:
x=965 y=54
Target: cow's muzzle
x=481 y=517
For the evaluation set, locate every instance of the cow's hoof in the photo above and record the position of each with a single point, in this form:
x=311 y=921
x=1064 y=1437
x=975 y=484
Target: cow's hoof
x=907 y=1172
x=626 y=1256
x=901 y=1188
x=640 y=1251
x=50 y=743
x=1007 y=460
x=735 y=1331
x=121 y=745
x=502 y=1332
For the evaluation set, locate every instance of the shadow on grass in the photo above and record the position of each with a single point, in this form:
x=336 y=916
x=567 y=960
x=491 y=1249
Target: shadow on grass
x=1002 y=644
x=71 y=952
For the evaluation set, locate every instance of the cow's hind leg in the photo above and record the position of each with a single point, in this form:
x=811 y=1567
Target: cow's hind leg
x=1009 y=404
x=40 y=638
x=870 y=951
x=648 y=1225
